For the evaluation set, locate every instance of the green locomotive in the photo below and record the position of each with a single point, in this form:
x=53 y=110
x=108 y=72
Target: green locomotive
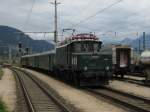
x=77 y=60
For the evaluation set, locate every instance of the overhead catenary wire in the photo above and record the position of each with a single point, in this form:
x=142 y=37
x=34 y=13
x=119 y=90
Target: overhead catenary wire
x=29 y=15
x=97 y=30
x=84 y=27
x=100 y=11
x=134 y=14
x=84 y=9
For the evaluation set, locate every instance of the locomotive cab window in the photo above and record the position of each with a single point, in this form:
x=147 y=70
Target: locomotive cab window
x=87 y=47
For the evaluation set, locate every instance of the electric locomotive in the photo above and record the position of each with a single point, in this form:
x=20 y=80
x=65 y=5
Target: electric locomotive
x=77 y=60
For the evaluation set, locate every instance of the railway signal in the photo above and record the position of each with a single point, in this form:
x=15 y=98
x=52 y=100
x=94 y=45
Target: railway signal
x=27 y=50
x=20 y=47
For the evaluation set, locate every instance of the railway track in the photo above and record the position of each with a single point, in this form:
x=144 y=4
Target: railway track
x=141 y=78
x=134 y=81
x=39 y=100
x=126 y=100
x=36 y=96
x=135 y=74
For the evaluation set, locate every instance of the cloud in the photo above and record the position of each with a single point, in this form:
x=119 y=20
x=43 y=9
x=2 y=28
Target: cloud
x=127 y=16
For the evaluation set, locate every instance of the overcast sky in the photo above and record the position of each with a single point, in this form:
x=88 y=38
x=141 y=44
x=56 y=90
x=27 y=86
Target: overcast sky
x=125 y=17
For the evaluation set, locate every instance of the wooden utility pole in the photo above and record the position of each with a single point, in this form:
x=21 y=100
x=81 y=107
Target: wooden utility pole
x=55 y=18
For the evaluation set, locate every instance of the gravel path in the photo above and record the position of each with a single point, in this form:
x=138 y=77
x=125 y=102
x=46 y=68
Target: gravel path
x=131 y=88
x=76 y=97
x=8 y=90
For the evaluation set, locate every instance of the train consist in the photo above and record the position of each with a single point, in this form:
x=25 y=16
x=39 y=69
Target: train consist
x=79 y=60
x=83 y=60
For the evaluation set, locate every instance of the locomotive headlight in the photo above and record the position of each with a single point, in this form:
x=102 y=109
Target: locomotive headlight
x=107 y=68
x=85 y=68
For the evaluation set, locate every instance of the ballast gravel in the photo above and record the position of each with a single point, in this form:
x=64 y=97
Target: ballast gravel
x=131 y=88
x=78 y=98
x=135 y=78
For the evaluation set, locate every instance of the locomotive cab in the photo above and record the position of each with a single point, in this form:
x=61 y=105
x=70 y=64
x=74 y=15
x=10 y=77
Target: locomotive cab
x=87 y=56
x=85 y=60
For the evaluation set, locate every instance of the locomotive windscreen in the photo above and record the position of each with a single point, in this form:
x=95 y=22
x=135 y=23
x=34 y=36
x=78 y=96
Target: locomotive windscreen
x=87 y=46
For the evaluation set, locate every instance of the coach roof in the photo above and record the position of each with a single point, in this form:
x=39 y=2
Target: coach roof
x=40 y=54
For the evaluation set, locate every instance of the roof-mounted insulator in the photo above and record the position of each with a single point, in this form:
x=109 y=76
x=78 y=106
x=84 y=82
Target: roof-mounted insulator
x=84 y=37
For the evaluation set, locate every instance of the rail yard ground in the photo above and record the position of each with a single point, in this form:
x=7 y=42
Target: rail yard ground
x=3 y=107
x=77 y=99
x=134 y=77
x=131 y=88
x=85 y=102
x=1 y=73
x=8 y=90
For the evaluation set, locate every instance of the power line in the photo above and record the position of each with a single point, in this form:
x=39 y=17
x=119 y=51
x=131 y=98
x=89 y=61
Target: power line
x=118 y=36
x=84 y=27
x=84 y=9
x=29 y=14
x=100 y=11
x=35 y=32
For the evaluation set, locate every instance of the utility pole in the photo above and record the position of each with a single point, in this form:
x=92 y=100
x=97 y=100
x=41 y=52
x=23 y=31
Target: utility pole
x=143 y=41
x=55 y=18
x=139 y=44
x=10 y=55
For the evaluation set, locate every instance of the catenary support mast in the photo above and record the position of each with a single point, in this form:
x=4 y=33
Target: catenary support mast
x=55 y=17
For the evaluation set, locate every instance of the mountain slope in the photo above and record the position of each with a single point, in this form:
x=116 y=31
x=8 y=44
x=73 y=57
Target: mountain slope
x=12 y=36
x=135 y=43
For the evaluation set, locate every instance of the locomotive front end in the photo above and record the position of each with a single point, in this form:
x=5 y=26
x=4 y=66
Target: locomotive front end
x=92 y=66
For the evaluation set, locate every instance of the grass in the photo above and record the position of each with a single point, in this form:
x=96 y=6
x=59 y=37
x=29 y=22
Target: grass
x=3 y=107
x=1 y=74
